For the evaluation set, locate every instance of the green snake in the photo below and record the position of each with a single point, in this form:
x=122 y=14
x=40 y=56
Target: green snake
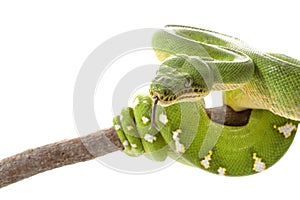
x=172 y=121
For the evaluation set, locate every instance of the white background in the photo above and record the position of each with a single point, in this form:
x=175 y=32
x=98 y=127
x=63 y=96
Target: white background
x=42 y=47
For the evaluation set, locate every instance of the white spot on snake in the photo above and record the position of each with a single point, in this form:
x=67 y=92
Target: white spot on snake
x=145 y=101
x=133 y=145
x=145 y=120
x=205 y=162
x=179 y=147
x=176 y=134
x=125 y=143
x=163 y=118
x=129 y=128
x=287 y=129
x=258 y=165
x=135 y=102
x=117 y=127
x=221 y=171
x=150 y=138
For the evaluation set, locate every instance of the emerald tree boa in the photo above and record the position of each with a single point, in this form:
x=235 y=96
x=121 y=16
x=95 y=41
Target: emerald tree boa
x=172 y=121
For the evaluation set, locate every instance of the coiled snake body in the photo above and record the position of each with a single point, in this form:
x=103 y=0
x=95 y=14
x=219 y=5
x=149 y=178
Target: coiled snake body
x=195 y=62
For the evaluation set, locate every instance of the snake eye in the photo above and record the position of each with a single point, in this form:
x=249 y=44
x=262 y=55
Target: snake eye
x=188 y=83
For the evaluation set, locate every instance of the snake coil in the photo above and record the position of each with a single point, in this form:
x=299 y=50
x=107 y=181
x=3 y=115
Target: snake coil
x=186 y=134
x=196 y=61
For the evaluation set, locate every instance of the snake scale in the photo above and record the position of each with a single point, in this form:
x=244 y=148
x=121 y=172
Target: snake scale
x=172 y=121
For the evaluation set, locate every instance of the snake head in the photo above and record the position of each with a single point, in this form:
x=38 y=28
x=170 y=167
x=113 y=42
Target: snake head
x=181 y=78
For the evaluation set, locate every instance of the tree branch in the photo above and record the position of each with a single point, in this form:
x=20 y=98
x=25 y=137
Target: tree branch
x=51 y=156
x=227 y=116
x=67 y=152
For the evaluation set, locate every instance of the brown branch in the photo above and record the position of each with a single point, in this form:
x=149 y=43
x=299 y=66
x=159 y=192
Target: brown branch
x=226 y=115
x=67 y=152
x=51 y=156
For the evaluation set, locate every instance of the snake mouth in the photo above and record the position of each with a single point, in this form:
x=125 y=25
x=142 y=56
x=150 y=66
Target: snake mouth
x=191 y=94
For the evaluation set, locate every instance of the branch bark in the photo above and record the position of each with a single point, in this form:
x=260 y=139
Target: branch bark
x=67 y=152
x=51 y=156
x=227 y=116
